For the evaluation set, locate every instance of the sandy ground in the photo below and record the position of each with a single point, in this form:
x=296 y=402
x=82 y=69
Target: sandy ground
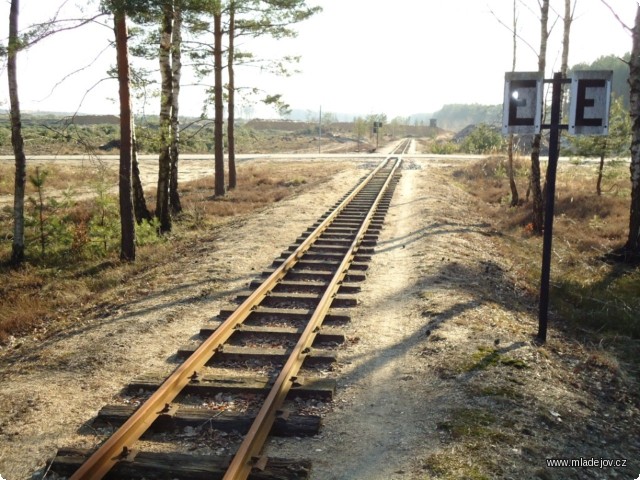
x=390 y=400
x=438 y=293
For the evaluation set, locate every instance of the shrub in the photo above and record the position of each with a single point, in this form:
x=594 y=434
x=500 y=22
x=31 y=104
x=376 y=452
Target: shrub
x=483 y=139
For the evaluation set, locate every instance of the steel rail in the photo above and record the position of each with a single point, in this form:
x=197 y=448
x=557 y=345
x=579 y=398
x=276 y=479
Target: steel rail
x=119 y=446
x=404 y=146
x=251 y=447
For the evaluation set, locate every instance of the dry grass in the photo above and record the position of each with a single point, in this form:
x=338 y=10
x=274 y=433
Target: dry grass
x=589 y=292
x=257 y=187
x=60 y=177
x=51 y=290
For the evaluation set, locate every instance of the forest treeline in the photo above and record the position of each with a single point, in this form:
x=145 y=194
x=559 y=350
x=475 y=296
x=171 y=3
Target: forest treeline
x=157 y=29
x=205 y=34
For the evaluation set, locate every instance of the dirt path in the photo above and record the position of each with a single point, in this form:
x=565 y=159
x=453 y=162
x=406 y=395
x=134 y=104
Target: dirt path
x=389 y=401
x=380 y=414
x=439 y=378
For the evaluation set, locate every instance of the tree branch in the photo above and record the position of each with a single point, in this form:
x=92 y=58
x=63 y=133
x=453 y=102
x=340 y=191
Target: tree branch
x=40 y=37
x=75 y=114
x=512 y=31
x=624 y=25
x=76 y=71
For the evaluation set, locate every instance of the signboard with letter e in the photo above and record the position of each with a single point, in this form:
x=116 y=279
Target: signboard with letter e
x=522 y=107
x=590 y=102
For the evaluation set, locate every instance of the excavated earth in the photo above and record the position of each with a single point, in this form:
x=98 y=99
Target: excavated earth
x=439 y=377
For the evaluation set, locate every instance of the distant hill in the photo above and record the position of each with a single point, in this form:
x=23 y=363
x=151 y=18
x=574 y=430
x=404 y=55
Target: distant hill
x=46 y=118
x=300 y=115
x=455 y=117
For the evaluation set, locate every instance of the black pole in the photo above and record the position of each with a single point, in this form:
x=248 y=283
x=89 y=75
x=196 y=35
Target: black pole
x=554 y=134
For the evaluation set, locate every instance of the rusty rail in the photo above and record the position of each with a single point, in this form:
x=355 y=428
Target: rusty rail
x=119 y=446
x=242 y=463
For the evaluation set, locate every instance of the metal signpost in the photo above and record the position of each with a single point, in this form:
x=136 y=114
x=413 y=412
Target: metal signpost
x=376 y=129
x=589 y=115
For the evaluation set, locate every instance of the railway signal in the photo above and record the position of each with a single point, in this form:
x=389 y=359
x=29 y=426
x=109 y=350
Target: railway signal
x=589 y=115
x=376 y=129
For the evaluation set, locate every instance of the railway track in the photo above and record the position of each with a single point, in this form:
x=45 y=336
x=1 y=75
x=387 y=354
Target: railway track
x=251 y=371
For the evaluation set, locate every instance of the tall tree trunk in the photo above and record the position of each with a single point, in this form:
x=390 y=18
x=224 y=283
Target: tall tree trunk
x=536 y=191
x=176 y=70
x=231 y=141
x=139 y=203
x=164 y=162
x=633 y=242
x=600 y=169
x=512 y=181
x=17 y=250
x=566 y=34
x=515 y=199
x=219 y=189
x=127 y=222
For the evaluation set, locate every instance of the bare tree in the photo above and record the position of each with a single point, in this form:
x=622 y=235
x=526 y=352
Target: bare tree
x=17 y=250
x=631 y=249
x=536 y=191
x=510 y=146
x=567 y=21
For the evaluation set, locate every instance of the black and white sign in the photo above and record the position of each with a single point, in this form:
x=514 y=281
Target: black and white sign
x=522 y=102
x=590 y=102
x=588 y=108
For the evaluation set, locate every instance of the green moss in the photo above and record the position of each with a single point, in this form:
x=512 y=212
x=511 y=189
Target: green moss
x=487 y=357
x=501 y=391
x=468 y=422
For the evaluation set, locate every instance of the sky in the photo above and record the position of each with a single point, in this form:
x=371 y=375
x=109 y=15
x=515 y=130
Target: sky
x=358 y=57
